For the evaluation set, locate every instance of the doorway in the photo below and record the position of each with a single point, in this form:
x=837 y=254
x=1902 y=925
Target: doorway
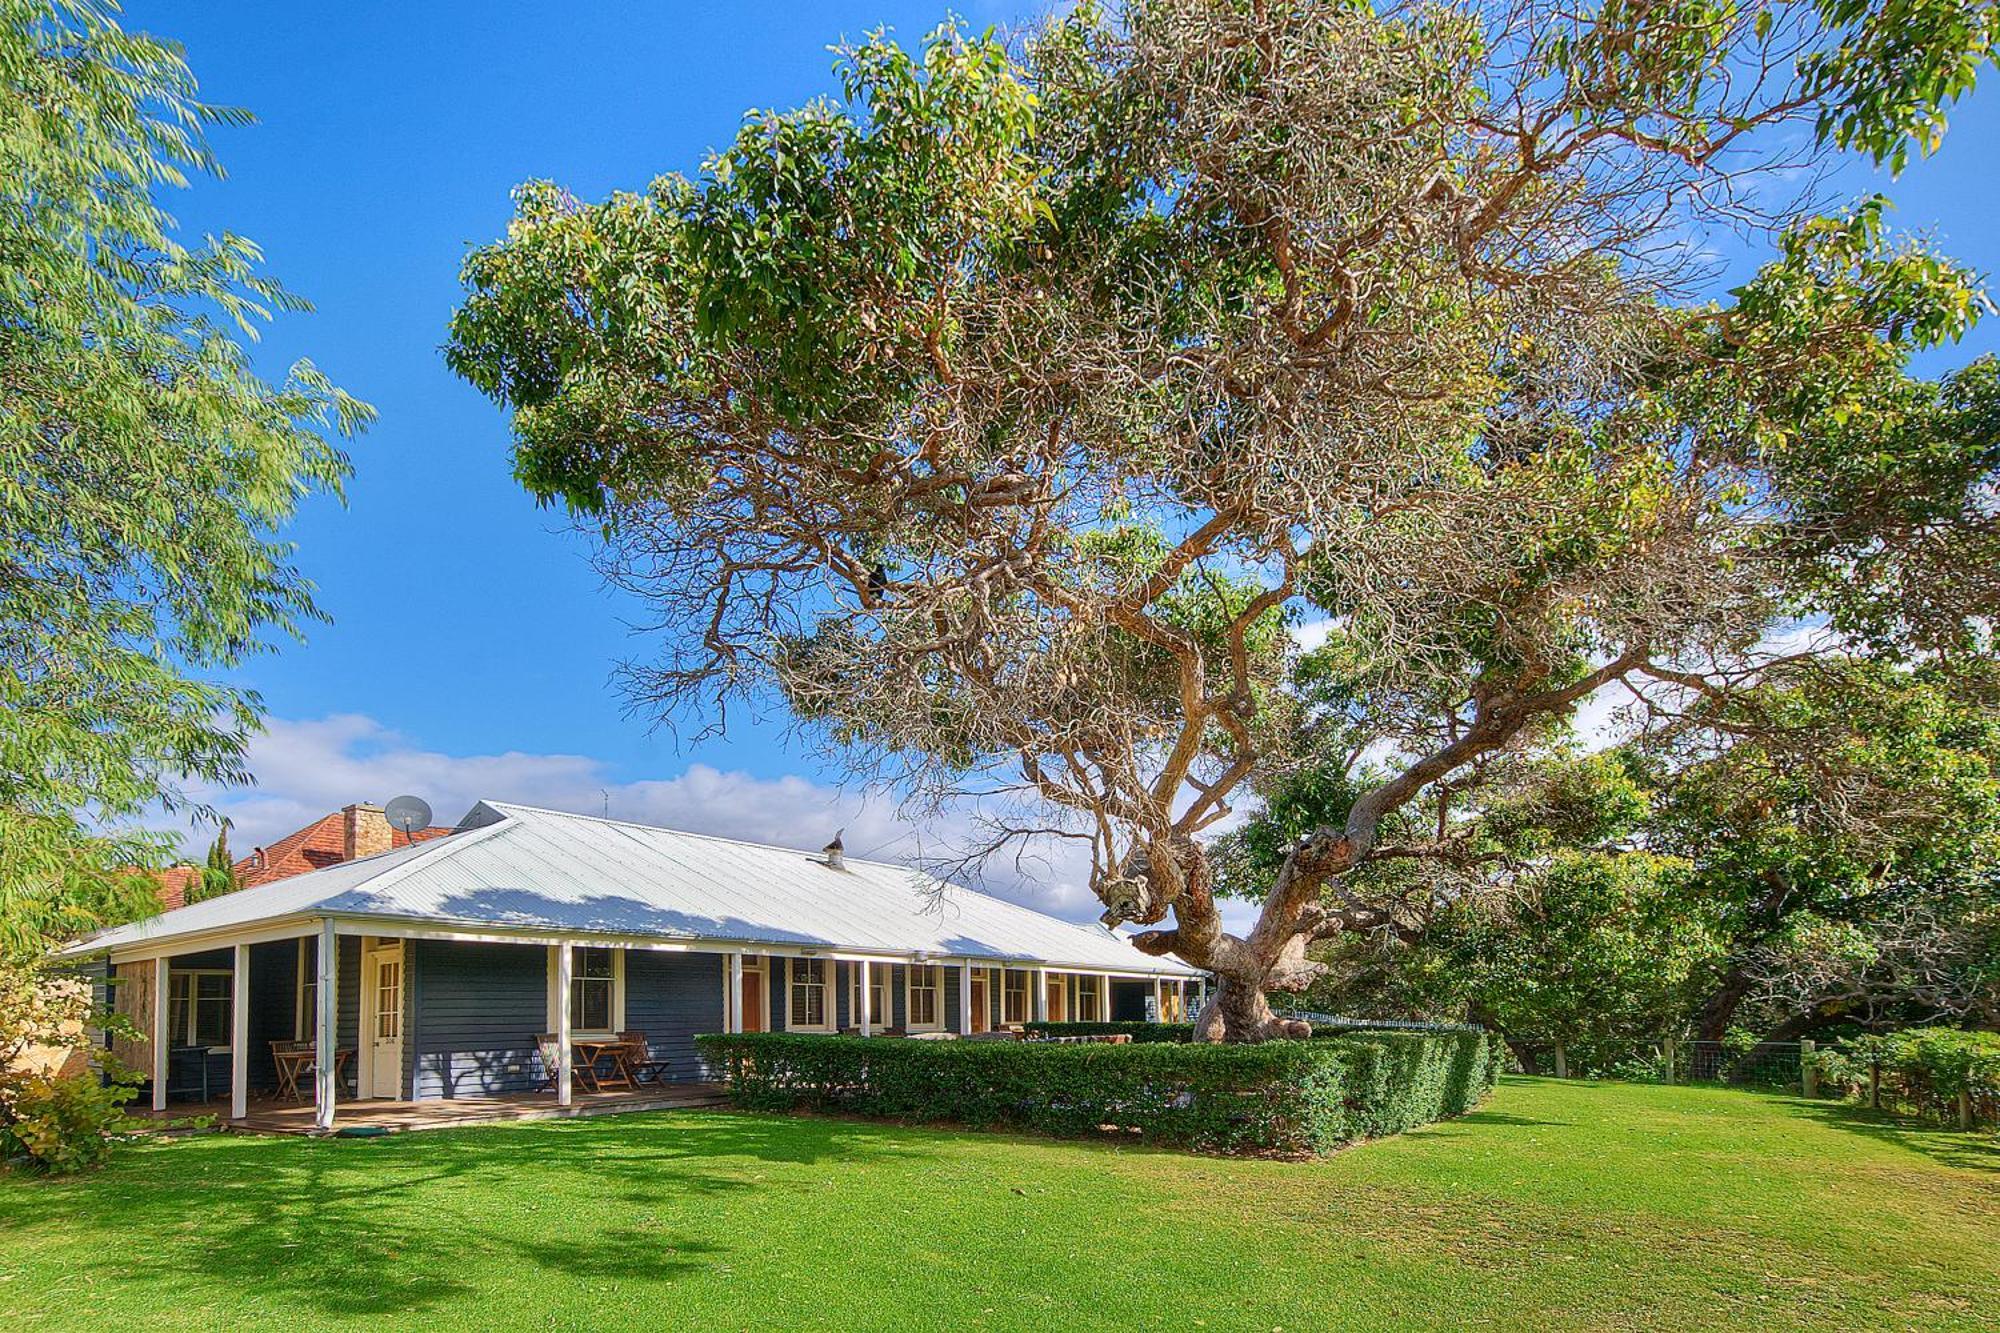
x=382 y=1016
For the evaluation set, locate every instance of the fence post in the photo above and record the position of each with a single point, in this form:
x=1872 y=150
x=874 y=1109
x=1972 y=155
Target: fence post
x=1808 y=1075
x=1671 y=1056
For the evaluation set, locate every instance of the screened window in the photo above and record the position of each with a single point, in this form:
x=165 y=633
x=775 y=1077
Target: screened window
x=925 y=1002
x=1089 y=994
x=590 y=988
x=1014 y=997
x=198 y=1008
x=808 y=993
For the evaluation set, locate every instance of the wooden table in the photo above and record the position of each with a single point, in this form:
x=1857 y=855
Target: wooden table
x=290 y=1064
x=588 y=1053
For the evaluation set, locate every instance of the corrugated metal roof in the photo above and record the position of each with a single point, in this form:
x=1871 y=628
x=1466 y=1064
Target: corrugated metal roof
x=520 y=868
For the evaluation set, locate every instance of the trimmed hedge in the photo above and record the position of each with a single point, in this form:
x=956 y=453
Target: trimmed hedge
x=1292 y=1097
x=1156 y=1032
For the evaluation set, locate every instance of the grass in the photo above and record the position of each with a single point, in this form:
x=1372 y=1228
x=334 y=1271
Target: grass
x=1558 y=1206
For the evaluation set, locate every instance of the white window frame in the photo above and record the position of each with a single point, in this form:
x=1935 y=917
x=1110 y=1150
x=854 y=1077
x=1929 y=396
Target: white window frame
x=827 y=993
x=1091 y=1004
x=305 y=1003
x=186 y=1036
x=935 y=985
x=1008 y=991
x=882 y=984
x=554 y=1017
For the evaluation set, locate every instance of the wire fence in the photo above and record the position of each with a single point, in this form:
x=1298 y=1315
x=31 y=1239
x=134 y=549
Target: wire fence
x=1768 y=1064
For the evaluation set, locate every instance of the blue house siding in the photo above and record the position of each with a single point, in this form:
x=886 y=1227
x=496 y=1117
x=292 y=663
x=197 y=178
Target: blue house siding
x=673 y=997
x=274 y=1000
x=481 y=1006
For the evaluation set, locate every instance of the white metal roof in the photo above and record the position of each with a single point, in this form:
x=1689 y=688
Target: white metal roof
x=520 y=869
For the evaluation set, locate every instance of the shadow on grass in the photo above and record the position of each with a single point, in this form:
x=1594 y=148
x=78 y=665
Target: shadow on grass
x=1974 y=1151
x=345 y=1228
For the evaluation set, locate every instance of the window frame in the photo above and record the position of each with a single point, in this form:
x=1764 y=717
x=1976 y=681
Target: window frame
x=1008 y=990
x=305 y=989
x=880 y=981
x=935 y=985
x=187 y=1032
x=825 y=985
x=1097 y=994
x=617 y=1013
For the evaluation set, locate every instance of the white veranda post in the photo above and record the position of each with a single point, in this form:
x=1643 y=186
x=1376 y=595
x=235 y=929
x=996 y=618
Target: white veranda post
x=565 y=1061
x=735 y=1000
x=326 y=1056
x=239 y=1035
x=1159 y=1002
x=160 y=1038
x=965 y=999
x=1039 y=978
x=866 y=1006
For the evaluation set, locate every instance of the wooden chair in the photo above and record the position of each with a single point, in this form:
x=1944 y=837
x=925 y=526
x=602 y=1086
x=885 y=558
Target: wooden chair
x=639 y=1059
x=580 y=1073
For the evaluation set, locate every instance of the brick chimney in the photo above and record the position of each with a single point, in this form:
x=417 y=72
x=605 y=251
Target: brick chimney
x=364 y=831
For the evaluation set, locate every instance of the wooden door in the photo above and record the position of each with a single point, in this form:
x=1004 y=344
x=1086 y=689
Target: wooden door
x=1057 y=990
x=383 y=1013
x=982 y=1012
x=751 y=1004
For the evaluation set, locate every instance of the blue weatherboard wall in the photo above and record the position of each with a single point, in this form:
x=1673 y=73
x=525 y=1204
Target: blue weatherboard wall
x=672 y=997
x=481 y=1006
x=477 y=1007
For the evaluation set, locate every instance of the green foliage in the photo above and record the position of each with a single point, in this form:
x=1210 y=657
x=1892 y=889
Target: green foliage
x=1283 y=1097
x=218 y=873
x=144 y=468
x=1925 y=1069
x=1895 y=69
x=60 y=1122
x=1601 y=952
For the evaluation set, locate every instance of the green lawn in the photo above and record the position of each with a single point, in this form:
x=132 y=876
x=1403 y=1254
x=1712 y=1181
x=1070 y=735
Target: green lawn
x=1558 y=1206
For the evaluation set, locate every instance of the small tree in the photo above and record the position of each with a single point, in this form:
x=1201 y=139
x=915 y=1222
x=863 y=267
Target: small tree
x=218 y=874
x=144 y=470
x=999 y=418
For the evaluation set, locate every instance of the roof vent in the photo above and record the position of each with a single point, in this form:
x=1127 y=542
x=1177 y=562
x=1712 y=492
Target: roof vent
x=836 y=852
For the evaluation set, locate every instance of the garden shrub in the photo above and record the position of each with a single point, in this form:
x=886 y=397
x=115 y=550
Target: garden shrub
x=1924 y=1069
x=1156 y=1032
x=59 y=1121
x=1291 y=1097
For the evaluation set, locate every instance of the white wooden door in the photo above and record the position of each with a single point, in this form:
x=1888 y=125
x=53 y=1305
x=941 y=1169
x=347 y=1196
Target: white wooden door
x=384 y=1019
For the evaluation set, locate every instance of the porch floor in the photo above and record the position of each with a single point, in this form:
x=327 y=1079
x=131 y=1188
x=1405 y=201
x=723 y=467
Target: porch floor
x=276 y=1117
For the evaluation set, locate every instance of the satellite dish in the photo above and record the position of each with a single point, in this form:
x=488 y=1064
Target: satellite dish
x=408 y=813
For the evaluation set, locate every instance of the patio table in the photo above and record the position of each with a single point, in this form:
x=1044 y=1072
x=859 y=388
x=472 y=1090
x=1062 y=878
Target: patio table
x=588 y=1053
x=290 y=1064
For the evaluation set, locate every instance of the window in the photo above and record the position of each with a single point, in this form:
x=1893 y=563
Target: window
x=305 y=1026
x=1089 y=990
x=1013 y=997
x=880 y=1015
x=808 y=986
x=592 y=981
x=198 y=1010
x=924 y=998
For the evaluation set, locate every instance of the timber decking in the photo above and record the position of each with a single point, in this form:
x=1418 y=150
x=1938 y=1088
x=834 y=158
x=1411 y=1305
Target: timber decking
x=403 y=1117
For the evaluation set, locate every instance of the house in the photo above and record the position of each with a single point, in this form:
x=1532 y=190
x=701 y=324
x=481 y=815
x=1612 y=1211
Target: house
x=347 y=834
x=430 y=968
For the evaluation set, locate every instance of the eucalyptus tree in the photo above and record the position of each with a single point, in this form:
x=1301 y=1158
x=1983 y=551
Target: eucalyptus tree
x=144 y=467
x=1000 y=417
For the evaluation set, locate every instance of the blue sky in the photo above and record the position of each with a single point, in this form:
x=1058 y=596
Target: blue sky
x=471 y=645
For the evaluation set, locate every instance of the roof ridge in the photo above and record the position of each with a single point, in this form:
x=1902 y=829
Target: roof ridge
x=690 y=833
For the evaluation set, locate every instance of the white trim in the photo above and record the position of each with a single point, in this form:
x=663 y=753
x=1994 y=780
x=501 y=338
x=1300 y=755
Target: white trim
x=326 y=1061
x=732 y=993
x=565 y=1060
x=160 y=1043
x=303 y=1019
x=617 y=1013
x=965 y=999
x=883 y=981
x=239 y=1034
x=936 y=972
x=828 y=1003
x=295 y=927
x=1007 y=974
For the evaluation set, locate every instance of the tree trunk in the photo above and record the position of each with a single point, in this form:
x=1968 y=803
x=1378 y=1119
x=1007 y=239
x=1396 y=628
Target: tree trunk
x=1712 y=1020
x=1562 y=1061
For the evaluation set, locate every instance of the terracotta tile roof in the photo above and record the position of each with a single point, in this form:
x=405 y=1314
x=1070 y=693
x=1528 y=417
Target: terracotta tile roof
x=174 y=881
x=318 y=845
